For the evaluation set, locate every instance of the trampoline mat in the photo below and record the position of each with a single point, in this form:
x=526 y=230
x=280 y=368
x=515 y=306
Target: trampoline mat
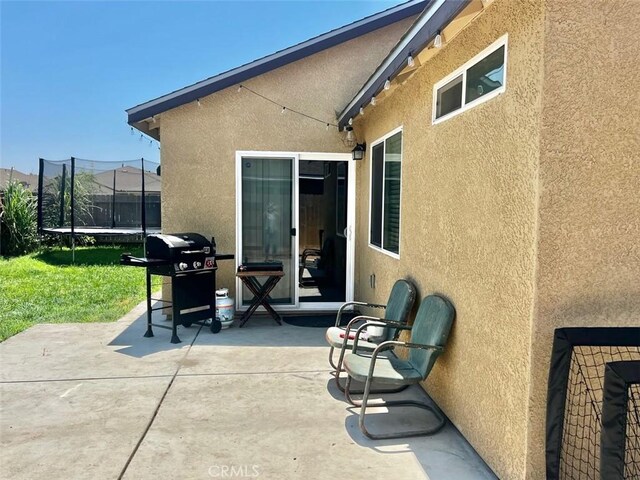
x=98 y=231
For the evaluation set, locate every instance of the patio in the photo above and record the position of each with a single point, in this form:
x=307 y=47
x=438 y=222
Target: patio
x=100 y=401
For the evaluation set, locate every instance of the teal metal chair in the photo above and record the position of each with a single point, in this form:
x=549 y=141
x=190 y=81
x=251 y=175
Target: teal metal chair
x=429 y=335
x=396 y=315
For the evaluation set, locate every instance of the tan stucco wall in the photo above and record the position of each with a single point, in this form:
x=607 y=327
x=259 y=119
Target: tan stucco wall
x=523 y=210
x=589 y=213
x=468 y=228
x=199 y=143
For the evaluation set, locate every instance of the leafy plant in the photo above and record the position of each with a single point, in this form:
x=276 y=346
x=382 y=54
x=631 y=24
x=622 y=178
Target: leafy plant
x=18 y=220
x=56 y=205
x=56 y=201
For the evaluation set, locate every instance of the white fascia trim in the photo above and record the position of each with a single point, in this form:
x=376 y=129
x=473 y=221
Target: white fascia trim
x=269 y=58
x=426 y=16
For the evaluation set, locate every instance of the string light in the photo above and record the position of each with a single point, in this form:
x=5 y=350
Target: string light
x=284 y=108
x=198 y=101
x=361 y=110
x=387 y=84
x=373 y=101
x=142 y=137
x=351 y=121
x=437 y=42
x=239 y=88
x=410 y=61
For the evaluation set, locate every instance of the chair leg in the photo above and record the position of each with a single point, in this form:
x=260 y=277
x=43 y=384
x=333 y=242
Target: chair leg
x=333 y=364
x=347 y=393
x=411 y=433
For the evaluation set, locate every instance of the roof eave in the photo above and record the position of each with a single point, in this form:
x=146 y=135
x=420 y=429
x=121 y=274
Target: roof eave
x=435 y=17
x=273 y=61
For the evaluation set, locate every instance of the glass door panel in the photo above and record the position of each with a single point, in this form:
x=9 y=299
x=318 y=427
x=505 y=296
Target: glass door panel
x=323 y=233
x=268 y=221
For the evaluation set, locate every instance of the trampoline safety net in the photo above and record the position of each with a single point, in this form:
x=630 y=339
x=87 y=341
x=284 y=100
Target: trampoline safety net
x=94 y=197
x=575 y=401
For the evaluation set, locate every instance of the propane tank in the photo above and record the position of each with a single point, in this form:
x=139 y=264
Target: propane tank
x=224 y=307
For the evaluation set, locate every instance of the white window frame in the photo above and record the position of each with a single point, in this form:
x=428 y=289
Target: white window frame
x=374 y=144
x=462 y=70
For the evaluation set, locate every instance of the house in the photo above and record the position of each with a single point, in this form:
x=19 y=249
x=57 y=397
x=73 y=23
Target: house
x=500 y=168
x=28 y=180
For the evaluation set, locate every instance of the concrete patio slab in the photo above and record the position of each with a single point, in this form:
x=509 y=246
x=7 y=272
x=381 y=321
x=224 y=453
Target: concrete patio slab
x=278 y=348
x=288 y=426
x=77 y=429
x=94 y=350
x=102 y=401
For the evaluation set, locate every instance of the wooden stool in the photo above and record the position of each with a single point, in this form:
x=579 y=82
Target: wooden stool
x=260 y=291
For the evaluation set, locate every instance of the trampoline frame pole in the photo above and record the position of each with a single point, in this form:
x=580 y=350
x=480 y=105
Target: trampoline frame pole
x=73 y=233
x=63 y=187
x=143 y=215
x=113 y=201
x=40 y=195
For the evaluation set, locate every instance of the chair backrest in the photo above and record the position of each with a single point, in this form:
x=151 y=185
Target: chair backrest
x=401 y=299
x=431 y=327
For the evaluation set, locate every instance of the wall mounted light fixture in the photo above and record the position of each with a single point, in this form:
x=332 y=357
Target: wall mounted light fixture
x=358 y=151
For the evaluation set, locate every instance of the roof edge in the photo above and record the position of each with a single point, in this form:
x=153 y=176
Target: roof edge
x=435 y=17
x=275 y=60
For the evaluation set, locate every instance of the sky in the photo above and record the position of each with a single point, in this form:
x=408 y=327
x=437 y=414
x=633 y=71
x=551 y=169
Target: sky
x=68 y=70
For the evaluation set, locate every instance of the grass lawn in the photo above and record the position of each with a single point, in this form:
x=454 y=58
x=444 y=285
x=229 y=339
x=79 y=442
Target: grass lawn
x=48 y=288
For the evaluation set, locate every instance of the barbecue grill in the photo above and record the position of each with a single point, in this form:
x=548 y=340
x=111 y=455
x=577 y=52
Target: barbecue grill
x=190 y=260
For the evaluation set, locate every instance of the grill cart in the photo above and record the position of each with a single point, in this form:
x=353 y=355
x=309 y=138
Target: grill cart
x=190 y=260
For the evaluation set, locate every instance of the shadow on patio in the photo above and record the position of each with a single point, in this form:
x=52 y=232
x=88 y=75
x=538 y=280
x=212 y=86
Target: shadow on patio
x=255 y=399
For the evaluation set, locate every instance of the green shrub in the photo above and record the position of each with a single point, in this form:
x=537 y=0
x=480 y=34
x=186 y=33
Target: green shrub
x=57 y=196
x=18 y=220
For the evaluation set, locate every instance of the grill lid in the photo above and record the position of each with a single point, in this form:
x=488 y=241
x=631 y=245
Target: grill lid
x=169 y=246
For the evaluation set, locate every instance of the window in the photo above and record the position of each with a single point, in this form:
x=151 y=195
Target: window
x=386 y=167
x=478 y=80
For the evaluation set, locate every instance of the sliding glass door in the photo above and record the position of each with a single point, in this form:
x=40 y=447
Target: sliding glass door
x=268 y=217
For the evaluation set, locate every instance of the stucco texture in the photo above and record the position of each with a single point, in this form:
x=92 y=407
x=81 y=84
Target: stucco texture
x=468 y=226
x=199 y=143
x=523 y=210
x=589 y=214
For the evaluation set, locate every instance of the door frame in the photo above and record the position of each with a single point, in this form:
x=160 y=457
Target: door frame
x=350 y=230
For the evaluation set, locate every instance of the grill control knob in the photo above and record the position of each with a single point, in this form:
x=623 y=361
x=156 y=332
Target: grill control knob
x=197 y=264
x=182 y=266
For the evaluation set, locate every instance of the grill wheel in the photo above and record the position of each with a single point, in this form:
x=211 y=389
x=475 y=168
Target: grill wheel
x=216 y=325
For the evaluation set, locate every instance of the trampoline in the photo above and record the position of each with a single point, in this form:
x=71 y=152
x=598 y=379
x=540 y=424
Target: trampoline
x=97 y=198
